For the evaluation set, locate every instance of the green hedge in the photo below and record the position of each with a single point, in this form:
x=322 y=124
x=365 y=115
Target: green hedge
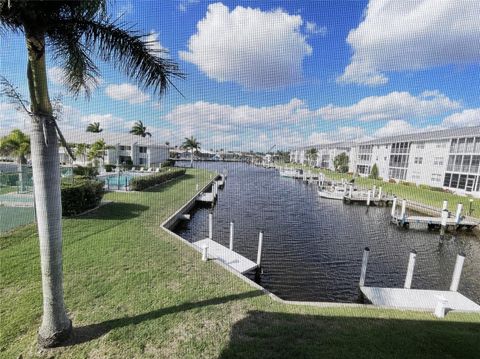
x=143 y=182
x=90 y=172
x=81 y=196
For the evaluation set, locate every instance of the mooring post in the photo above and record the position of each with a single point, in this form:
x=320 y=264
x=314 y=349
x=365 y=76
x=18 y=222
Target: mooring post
x=470 y=206
x=443 y=225
x=374 y=190
x=350 y=191
x=369 y=194
x=394 y=207
x=445 y=205
x=210 y=225
x=440 y=307
x=404 y=208
x=231 y=236
x=379 y=193
x=204 y=253
x=260 y=245
x=196 y=187
x=410 y=268
x=458 y=214
x=457 y=272
x=363 y=272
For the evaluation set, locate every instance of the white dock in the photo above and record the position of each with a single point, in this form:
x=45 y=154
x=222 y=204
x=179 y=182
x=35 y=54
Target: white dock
x=206 y=197
x=226 y=256
x=418 y=299
x=436 y=221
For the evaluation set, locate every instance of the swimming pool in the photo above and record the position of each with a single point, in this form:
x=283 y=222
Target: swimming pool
x=118 y=181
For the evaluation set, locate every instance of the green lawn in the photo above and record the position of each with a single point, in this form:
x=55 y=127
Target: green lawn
x=134 y=291
x=7 y=189
x=421 y=195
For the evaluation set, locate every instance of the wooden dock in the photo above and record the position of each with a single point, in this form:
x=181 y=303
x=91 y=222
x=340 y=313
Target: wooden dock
x=433 y=222
x=226 y=256
x=207 y=197
x=361 y=197
x=418 y=299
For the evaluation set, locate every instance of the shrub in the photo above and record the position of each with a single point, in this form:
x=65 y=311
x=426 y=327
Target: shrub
x=168 y=163
x=88 y=172
x=80 y=196
x=409 y=184
x=392 y=180
x=109 y=168
x=374 y=172
x=143 y=182
x=9 y=179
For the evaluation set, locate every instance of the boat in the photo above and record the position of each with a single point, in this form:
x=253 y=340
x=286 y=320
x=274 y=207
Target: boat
x=335 y=192
x=291 y=172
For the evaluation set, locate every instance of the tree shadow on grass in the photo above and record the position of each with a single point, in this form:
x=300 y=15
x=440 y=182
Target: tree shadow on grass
x=280 y=335
x=168 y=185
x=115 y=211
x=94 y=331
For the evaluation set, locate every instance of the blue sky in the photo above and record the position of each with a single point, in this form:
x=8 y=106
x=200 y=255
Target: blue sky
x=285 y=73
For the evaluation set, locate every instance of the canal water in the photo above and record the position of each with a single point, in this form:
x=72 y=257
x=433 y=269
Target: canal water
x=313 y=247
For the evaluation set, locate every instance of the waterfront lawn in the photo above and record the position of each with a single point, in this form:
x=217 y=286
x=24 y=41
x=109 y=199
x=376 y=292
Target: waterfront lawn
x=7 y=189
x=135 y=291
x=412 y=192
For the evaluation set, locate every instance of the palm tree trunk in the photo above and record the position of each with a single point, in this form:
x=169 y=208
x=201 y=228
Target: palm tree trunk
x=191 y=160
x=56 y=327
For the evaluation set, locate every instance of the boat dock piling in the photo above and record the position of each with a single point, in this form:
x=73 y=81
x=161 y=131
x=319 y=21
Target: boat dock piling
x=369 y=197
x=436 y=301
x=231 y=236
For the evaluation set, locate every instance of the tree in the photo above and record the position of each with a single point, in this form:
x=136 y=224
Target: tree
x=17 y=144
x=191 y=144
x=138 y=129
x=94 y=127
x=75 y=31
x=374 y=172
x=81 y=150
x=311 y=155
x=167 y=143
x=340 y=163
x=97 y=150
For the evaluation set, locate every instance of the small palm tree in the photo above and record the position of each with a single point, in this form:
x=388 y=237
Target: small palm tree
x=138 y=129
x=16 y=144
x=97 y=150
x=94 y=127
x=74 y=31
x=81 y=150
x=191 y=144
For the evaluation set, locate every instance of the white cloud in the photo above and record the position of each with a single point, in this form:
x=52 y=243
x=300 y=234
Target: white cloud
x=154 y=45
x=125 y=9
x=394 y=127
x=412 y=35
x=56 y=75
x=11 y=118
x=395 y=105
x=248 y=46
x=107 y=121
x=313 y=28
x=126 y=92
x=184 y=4
x=466 y=118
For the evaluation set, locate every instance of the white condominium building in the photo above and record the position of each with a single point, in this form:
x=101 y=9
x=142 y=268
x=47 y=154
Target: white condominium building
x=446 y=158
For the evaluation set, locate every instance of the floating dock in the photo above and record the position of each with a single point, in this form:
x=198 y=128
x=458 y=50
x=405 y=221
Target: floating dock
x=225 y=255
x=418 y=299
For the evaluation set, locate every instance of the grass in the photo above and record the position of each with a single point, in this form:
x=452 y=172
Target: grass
x=7 y=189
x=414 y=193
x=135 y=291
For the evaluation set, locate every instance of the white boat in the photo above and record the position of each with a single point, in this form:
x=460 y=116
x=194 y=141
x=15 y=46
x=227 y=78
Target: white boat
x=291 y=172
x=336 y=192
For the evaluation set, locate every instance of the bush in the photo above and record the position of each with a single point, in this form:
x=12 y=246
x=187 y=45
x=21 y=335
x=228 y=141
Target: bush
x=9 y=179
x=409 y=184
x=143 y=182
x=109 y=168
x=81 y=196
x=88 y=172
x=168 y=163
x=392 y=180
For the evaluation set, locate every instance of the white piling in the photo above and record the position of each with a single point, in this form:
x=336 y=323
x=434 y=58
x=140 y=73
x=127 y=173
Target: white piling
x=458 y=214
x=444 y=222
x=404 y=208
x=231 y=236
x=260 y=245
x=394 y=206
x=457 y=272
x=204 y=253
x=210 y=225
x=445 y=205
x=380 y=193
x=410 y=268
x=350 y=191
x=363 y=273
x=441 y=307
x=374 y=190
x=369 y=194
x=196 y=187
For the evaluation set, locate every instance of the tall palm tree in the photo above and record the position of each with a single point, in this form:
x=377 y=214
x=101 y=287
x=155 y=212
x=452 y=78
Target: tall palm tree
x=97 y=150
x=17 y=144
x=81 y=150
x=138 y=129
x=94 y=127
x=75 y=31
x=191 y=144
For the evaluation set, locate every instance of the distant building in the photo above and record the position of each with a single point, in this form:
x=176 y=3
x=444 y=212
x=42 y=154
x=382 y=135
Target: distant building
x=446 y=158
x=142 y=151
x=326 y=154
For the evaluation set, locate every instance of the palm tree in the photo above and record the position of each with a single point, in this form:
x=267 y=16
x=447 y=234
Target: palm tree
x=81 y=150
x=97 y=150
x=94 y=127
x=191 y=144
x=139 y=129
x=75 y=31
x=16 y=144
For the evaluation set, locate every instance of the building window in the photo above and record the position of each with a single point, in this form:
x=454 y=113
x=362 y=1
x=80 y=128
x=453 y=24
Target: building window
x=418 y=160
x=438 y=161
x=421 y=145
x=466 y=163
x=141 y=161
x=454 y=180
x=475 y=164
x=446 y=181
x=436 y=177
x=461 y=145
x=453 y=146
x=142 y=149
x=477 y=145
x=469 y=145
